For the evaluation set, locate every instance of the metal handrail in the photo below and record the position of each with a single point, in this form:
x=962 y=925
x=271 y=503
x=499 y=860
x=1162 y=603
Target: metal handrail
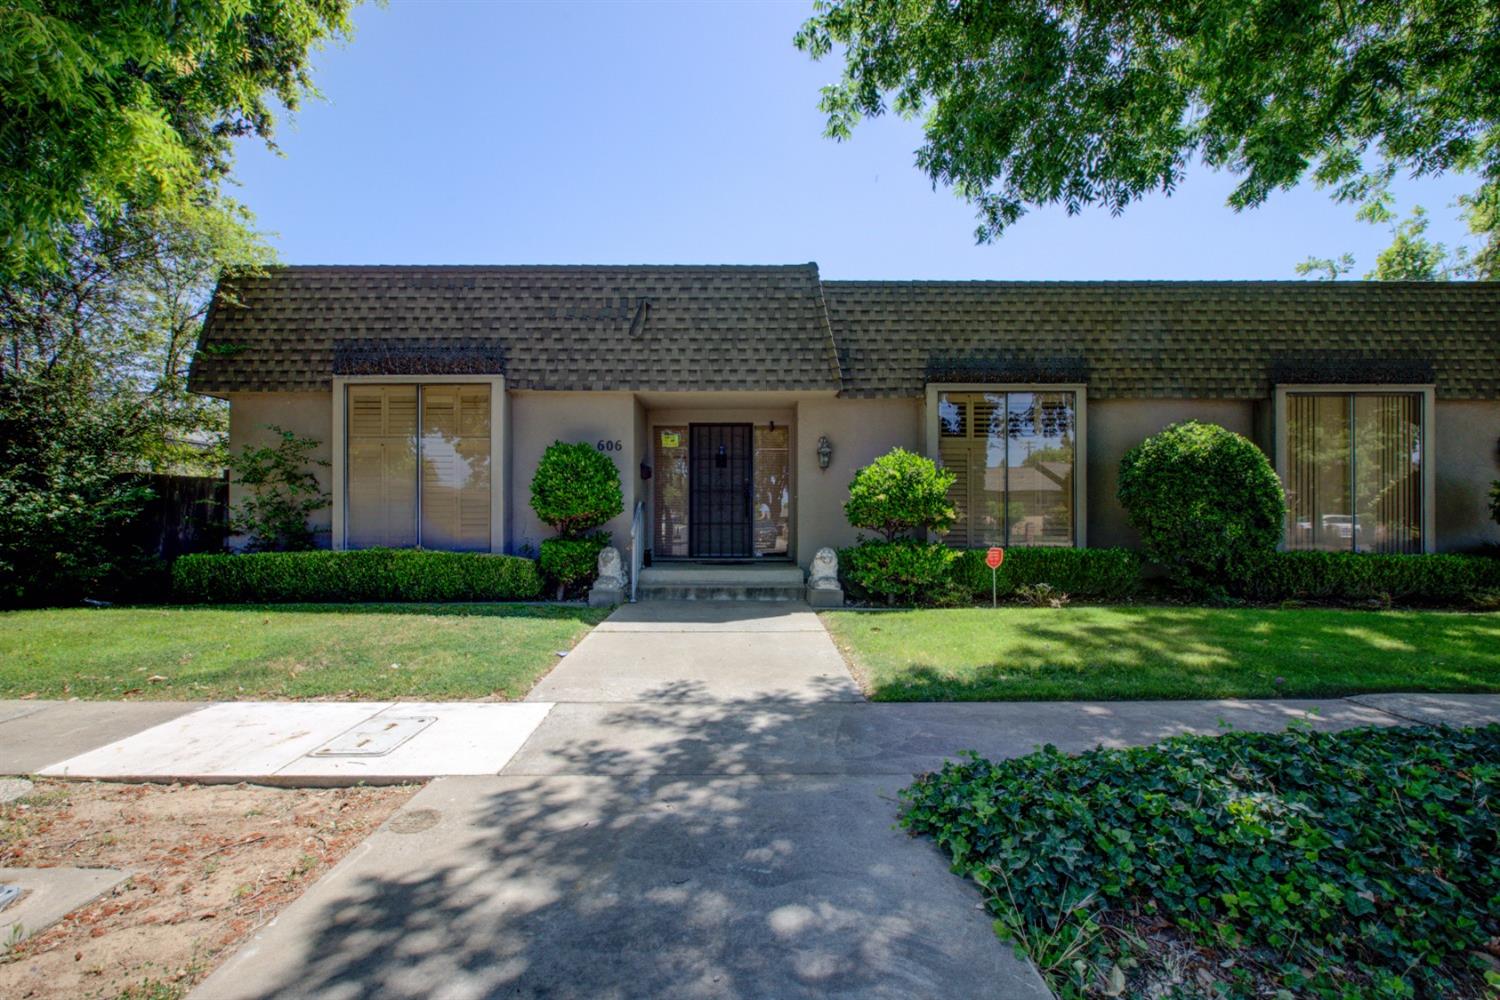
x=637 y=524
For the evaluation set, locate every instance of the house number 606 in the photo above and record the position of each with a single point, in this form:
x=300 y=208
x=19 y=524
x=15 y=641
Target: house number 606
x=615 y=445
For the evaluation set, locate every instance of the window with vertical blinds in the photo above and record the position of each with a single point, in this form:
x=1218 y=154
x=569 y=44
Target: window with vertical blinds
x=1013 y=455
x=1354 y=471
x=418 y=466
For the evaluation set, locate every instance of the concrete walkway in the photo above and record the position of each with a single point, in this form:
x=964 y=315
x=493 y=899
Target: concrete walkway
x=705 y=809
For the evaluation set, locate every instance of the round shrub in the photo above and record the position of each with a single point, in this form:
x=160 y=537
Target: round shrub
x=1207 y=503
x=901 y=572
x=576 y=488
x=571 y=563
x=898 y=493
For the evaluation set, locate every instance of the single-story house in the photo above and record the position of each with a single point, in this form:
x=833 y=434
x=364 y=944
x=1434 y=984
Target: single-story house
x=738 y=402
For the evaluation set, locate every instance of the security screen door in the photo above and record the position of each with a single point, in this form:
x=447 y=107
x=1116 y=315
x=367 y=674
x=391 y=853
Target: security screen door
x=721 y=491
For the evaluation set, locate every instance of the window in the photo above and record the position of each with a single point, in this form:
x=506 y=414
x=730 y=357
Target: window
x=1354 y=471
x=1015 y=456
x=418 y=466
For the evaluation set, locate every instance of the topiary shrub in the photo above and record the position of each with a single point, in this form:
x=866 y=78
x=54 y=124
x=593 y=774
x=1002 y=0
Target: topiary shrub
x=576 y=488
x=898 y=493
x=362 y=575
x=1207 y=504
x=566 y=563
x=901 y=572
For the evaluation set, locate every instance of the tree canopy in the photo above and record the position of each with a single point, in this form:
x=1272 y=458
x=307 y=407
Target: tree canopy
x=134 y=104
x=1101 y=102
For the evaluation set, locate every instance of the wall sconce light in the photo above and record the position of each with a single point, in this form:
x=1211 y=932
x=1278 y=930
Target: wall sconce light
x=825 y=451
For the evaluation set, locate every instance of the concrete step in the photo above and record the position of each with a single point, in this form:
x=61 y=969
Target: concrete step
x=722 y=582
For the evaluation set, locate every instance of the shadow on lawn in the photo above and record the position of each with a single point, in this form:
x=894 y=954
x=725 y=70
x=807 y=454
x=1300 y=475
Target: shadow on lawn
x=1211 y=653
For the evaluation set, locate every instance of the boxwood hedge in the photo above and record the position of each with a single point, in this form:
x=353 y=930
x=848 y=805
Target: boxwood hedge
x=1090 y=574
x=362 y=575
x=1340 y=865
x=1436 y=580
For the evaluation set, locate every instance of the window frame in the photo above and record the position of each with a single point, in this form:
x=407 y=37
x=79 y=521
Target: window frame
x=1080 y=442
x=1426 y=391
x=499 y=413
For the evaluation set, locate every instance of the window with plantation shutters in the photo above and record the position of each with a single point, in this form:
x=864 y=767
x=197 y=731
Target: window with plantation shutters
x=1013 y=457
x=381 y=471
x=456 y=467
x=1354 y=471
x=418 y=466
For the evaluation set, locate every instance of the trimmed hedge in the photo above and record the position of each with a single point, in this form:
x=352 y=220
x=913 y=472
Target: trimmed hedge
x=570 y=563
x=1090 y=574
x=362 y=575
x=1437 y=579
x=1356 y=864
x=900 y=572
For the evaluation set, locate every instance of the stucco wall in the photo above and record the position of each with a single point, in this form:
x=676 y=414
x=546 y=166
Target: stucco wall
x=1117 y=425
x=1465 y=441
x=860 y=430
x=308 y=414
x=539 y=418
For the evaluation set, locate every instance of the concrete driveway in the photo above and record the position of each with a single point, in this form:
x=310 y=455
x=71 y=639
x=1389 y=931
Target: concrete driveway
x=673 y=829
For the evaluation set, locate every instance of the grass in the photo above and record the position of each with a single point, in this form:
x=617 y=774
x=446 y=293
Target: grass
x=1124 y=652
x=286 y=651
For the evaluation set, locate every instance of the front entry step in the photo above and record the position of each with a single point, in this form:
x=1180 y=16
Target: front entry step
x=721 y=582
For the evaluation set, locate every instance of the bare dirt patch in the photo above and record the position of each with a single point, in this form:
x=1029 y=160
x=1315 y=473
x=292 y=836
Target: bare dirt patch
x=209 y=864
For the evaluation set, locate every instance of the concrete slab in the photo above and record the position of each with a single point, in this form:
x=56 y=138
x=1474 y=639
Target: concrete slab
x=463 y=739
x=19 y=709
x=713 y=616
x=600 y=887
x=48 y=895
x=783 y=737
x=1453 y=709
x=694 y=667
x=223 y=742
x=46 y=732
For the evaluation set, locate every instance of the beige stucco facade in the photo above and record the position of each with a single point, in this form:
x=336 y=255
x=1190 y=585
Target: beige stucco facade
x=1117 y=425
x=252 y=415
x=1463 y=443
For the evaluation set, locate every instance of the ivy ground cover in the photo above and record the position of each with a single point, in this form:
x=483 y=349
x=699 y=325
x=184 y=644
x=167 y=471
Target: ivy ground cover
x=1361 y=864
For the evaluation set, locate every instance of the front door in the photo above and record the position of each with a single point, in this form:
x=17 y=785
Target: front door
x=720 y=491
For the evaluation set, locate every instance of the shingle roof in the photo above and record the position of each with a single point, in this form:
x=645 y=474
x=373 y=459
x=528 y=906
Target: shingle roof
x=722 y=328
x=584 y=327
x=1181 y=338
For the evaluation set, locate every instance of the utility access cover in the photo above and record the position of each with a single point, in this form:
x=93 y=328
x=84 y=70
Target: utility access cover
x=375 y=738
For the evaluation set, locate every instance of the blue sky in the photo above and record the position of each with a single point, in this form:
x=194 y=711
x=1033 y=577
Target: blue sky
x=598 y=132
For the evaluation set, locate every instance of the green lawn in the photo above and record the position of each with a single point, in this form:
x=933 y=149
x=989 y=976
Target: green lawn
x=430 y=651
x=979 y=654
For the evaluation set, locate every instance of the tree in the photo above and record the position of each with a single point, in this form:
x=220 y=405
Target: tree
x=135 y=105
x=1411 y=255
x=1040 y=102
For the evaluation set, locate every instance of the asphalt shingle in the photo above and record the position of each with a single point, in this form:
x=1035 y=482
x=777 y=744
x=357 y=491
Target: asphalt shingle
x=747 y=328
